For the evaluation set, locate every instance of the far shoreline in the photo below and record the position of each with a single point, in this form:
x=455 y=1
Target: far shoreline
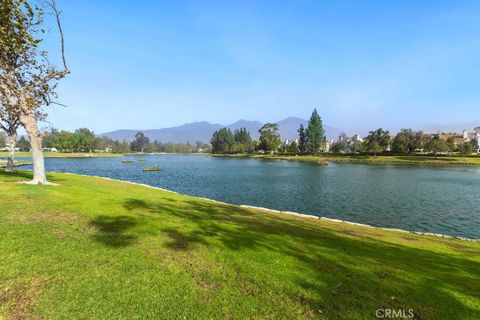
x=423 y=160
x=325 y=159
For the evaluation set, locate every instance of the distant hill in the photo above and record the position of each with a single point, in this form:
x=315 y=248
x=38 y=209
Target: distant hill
x=190 y=132
x=251 y=126
x=288 y=128
x=202 y=131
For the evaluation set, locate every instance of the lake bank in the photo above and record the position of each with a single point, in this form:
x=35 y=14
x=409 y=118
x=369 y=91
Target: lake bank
x=295 y=214
x=137 y=247
x=407 y=160
x=361 y=159
x=417 y=198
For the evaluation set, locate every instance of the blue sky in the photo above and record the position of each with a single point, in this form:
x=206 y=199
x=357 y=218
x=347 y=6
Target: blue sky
x=362 y=64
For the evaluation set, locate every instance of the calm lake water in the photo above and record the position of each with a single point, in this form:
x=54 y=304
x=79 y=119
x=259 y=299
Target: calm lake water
x=429 y=199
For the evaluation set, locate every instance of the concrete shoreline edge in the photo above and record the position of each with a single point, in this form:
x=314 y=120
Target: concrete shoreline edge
x=291 y=213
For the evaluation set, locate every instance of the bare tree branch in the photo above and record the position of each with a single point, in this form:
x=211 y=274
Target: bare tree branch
x=58 y=104
x=60 y=30
x=55 y=74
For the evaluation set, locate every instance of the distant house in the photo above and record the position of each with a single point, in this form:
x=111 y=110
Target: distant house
x=351 y=143
x=467 y=136
x=456 y=139
x=473 y=137
x=328 y=145
x=288 y=142
x=107 y=149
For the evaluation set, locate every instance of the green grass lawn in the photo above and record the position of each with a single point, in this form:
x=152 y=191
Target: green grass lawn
x=93 y=248
x=63 y=154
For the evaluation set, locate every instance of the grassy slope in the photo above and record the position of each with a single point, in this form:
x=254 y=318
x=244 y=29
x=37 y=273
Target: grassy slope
x=414 y=160
x=94 y=248
x=63 y=155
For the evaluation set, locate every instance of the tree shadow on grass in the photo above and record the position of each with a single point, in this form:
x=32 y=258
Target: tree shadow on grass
x=112 y=231
x=19 y=175
x=179 y=241
x=335 y=269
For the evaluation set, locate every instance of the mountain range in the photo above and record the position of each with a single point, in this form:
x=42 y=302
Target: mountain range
x=202 y=131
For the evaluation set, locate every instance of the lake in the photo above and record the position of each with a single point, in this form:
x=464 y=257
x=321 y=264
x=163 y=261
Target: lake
x=429 y=199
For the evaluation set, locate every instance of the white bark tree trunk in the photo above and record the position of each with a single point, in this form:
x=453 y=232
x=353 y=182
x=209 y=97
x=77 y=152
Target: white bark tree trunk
x=12 y=140
x=29 y=121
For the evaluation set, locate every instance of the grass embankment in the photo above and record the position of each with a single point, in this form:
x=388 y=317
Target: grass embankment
x=95 y=248
x=64 y=154
x=416 y=160
x=413 y=160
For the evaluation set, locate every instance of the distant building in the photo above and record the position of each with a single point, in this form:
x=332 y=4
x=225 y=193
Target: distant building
x=467 y=136
x=473 y=137
x=348 y=144
x=456 y=139
x=328 y=145
x=288 y=142
x=470 y=135
x=356 y=137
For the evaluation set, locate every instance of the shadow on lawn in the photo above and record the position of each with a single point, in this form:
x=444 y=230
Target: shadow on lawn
x=112 y=231
x=352 y=266
x=24 y=175
x=344 y=275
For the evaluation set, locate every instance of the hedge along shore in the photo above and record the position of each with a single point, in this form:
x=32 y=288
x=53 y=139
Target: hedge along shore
x=296 y=214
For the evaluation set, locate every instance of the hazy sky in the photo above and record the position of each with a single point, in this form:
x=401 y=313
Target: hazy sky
x=362 y=64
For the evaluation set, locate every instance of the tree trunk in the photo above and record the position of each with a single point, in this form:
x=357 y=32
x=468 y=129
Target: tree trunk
x=30 y=123
x=12 y=140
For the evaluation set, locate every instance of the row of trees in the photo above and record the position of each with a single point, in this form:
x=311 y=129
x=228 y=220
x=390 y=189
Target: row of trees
x=405 y=141
x=226 y=141
x=85 y=140
x=240 y=140
x=81 y=140
x=142 y=144
x=310 y=140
